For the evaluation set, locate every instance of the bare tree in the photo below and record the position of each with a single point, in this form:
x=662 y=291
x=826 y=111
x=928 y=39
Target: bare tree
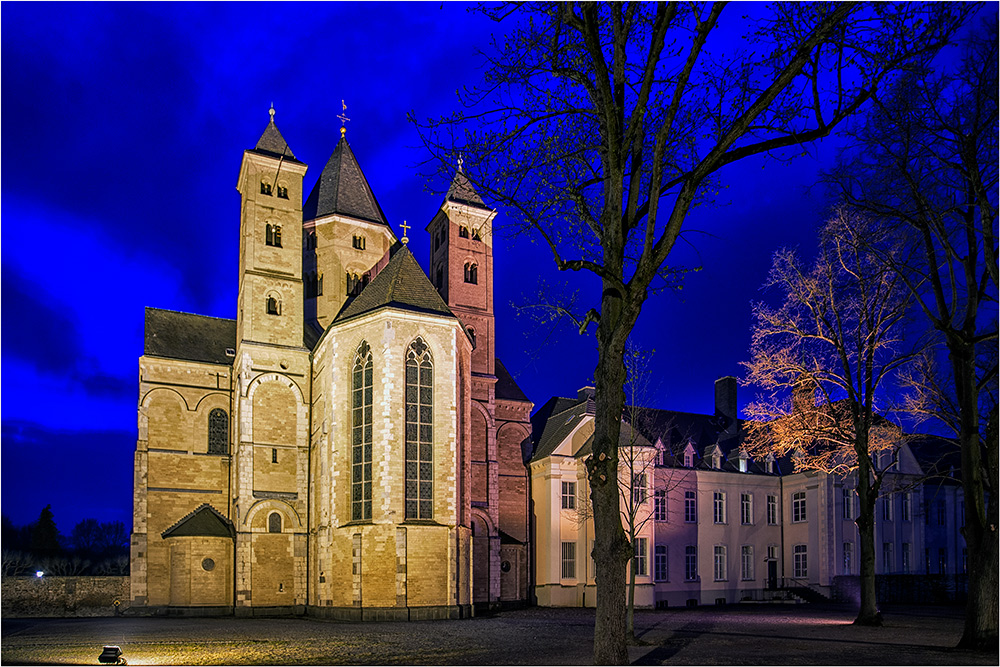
x=599 y=126
x=925 y=162
x=838 y=332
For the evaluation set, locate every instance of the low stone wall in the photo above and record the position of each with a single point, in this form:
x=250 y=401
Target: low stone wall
x=64 y=596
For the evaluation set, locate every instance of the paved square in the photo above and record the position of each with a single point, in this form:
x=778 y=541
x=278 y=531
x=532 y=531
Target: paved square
x=736 y=635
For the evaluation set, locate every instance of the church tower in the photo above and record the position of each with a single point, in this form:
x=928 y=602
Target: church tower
x=345 y=234
x=271 y=369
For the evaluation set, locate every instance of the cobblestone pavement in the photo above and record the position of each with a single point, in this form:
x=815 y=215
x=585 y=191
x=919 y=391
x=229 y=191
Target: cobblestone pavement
x=737 y=635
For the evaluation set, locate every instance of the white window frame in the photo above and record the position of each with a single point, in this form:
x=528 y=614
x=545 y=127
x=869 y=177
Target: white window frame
x=690 y=507
x=746 y=509
x=887 y=513
x=719 y=507
x=772 y=510
x=691 y=563
x=847 y=512
x=888 y=558
x=720 y=563
x=905 y=513
x=798 y=507
x=800 y=561
x=568 y=560
x=638 y=489
x=661 y=563
x=660 y=505
x=569 y=495
x=640 y=557
x=746 y=562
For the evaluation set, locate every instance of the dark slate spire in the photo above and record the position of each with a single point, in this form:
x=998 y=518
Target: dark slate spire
x=401 y=284
x=342 y=188
x=272 y=143
x=462 y=192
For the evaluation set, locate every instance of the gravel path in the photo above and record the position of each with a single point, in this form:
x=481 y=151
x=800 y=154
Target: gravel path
x=736 y=635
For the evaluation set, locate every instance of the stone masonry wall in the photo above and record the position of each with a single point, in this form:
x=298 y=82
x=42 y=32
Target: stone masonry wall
x=64 y=596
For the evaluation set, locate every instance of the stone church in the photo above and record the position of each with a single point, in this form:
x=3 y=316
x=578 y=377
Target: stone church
x=349 y=446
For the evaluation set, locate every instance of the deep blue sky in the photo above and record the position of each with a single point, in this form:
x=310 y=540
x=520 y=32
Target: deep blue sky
x=123 y=130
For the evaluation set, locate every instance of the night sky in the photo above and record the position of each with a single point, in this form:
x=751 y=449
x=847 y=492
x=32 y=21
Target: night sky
x=123 y=130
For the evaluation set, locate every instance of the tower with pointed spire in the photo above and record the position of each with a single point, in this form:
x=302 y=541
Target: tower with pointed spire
x=341 y=447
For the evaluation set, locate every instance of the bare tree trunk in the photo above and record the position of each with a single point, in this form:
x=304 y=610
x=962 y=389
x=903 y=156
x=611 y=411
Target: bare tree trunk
x=630 y=622
x=980 y=529
x=611 y=546
x=868 y=614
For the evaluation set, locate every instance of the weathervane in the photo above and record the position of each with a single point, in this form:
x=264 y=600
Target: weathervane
x=404 y=227
x=343 y=118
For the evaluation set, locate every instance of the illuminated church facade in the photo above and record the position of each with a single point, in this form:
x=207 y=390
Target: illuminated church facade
x=349 y=446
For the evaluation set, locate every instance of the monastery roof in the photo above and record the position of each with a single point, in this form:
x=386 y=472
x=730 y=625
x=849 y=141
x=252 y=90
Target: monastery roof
x=557 y=428
x=189 y=337
x=272 y=144
x=204 y=521
x=462 y=192
x=506 y=388
x=401 y=284
x=342 y=188
x=938 y=457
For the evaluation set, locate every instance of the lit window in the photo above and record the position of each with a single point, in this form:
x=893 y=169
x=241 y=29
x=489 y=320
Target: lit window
x=800 y=561
x=690 y=507
x=639 y=557
x=361 y=435
x=746 y=562
x=746 y=509
x=690 y=563
x=798 y=507
x=569 y=560
x=569 y=495
x=660 y=505
x=660 y=570
x=274 y=523
x=419 y=431
x=772 y=510
x=721 y=565
x=218 y=432
x=719 y=507
x=272 y=235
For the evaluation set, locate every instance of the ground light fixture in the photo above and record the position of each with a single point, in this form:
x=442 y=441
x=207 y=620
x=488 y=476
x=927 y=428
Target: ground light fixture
x=112 y=655
x=39 y=574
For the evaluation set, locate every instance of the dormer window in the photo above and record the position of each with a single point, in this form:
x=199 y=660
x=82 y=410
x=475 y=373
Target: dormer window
x=471 y=273
x=741 y=462
x=359 y=242
x=688 y=459
x=716 y=461
x=272 y=235
x=273 y=306
x=265 y=188
x=463 y=232
x=769 y=464
x=282 y=192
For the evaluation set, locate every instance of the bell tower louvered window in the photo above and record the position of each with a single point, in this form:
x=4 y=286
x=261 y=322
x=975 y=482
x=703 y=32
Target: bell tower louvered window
x=361 y=434
x=419 y=431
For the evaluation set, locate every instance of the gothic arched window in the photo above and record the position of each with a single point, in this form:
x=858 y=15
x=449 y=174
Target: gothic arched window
x=274 y=523
x=419 y=431
x=361 y=435
x=218 y=432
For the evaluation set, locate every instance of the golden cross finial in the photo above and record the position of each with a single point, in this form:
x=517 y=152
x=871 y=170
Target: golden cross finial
x=343 y=118
x=404 y=227
x=271 y=112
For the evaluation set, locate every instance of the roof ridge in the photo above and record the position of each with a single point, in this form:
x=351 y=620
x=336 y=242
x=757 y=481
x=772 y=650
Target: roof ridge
x=184 y=312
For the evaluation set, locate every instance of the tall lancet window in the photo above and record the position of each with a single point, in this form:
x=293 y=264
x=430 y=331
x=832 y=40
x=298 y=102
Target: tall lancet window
x=361 y=433
x=419 y=431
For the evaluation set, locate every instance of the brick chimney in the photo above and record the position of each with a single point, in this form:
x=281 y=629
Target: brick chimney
x=725 y=406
